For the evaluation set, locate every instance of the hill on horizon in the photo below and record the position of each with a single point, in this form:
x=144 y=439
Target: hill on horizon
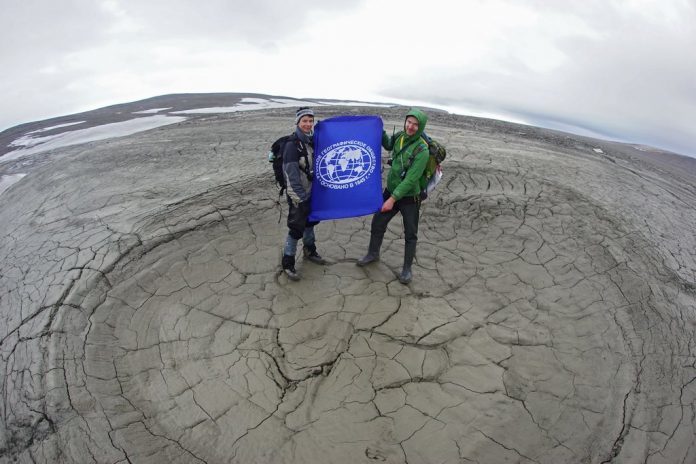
x=184 y=104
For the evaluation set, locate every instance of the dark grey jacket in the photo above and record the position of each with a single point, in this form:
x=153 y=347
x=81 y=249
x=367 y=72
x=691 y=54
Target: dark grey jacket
x=298 y=165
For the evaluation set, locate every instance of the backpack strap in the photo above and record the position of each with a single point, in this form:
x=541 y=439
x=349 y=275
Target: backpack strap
x=304 y=152
x=414 y=153
x=404 y=148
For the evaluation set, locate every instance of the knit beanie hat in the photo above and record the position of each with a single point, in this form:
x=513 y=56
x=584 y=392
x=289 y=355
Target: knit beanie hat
x=303 y=111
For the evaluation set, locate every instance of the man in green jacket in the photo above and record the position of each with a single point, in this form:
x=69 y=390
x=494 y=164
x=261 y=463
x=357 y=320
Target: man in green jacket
x=409 y=158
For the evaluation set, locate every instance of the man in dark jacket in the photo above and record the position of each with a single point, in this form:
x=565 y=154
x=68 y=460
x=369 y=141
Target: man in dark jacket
x=409 y=158
x=298 y=164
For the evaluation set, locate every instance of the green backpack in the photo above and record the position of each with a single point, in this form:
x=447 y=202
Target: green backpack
x=433 y=170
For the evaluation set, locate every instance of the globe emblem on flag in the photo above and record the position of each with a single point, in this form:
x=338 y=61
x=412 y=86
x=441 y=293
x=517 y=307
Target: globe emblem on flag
x=345 y=164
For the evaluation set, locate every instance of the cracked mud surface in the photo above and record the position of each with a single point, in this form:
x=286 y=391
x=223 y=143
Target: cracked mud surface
x=551 y=318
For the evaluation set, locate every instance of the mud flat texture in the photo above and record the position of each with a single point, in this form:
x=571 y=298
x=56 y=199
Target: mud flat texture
x=143 y=317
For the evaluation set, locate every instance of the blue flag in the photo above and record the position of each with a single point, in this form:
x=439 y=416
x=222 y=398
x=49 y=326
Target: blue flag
x=347 y=167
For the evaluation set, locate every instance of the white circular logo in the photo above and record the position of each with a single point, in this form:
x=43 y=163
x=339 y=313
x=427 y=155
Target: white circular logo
x=345 y=164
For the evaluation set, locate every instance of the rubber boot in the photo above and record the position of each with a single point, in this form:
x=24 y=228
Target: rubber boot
x=289 y=268
x=409 y=253
x=372 y=252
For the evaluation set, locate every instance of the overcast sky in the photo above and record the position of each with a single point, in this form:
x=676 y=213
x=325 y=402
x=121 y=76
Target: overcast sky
x=620 y=69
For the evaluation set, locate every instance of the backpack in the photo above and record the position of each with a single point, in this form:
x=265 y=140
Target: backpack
x=433 y=169
x=275 y=156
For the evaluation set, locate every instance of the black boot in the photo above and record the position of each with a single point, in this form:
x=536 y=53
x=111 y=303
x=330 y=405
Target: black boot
x=289 y=268
x=372 y=252
x=367 y=259
x=409 y=253
x=310 y=253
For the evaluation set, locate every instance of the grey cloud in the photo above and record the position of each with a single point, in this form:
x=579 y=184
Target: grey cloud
x=33 y=31
x=256 y=23
x=35 y=36
x=42 y=43
x=633 y=82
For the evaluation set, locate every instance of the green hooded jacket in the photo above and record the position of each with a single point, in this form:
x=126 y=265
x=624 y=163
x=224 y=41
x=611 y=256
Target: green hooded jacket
x=402 y=146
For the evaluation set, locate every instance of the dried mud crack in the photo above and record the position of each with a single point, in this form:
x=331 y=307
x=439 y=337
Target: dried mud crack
x=145 y=318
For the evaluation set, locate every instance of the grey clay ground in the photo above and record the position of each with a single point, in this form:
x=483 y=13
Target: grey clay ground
x=551 y=320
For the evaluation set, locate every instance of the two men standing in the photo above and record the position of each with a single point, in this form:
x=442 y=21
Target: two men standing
x=409 y=157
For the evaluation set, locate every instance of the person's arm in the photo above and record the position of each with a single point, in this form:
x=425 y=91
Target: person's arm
x=292 y=172
x=388 y=141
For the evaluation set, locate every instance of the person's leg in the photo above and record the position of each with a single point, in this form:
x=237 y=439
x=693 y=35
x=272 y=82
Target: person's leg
x=290 y=248
x=309 y=239
x=310 y=247
x=410 y=215
x=380 y=221
x=296 y=227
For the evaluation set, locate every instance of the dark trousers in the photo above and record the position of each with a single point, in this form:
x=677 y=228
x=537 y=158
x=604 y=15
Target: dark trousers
x=409 y=209
x=298 y=219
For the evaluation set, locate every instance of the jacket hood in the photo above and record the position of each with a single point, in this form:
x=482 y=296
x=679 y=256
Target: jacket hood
x=422 y=119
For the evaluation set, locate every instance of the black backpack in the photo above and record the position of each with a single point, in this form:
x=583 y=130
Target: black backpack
x=275 y=156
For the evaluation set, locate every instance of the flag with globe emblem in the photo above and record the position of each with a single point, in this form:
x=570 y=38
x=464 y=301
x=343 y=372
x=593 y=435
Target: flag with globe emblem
x=347 y=167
